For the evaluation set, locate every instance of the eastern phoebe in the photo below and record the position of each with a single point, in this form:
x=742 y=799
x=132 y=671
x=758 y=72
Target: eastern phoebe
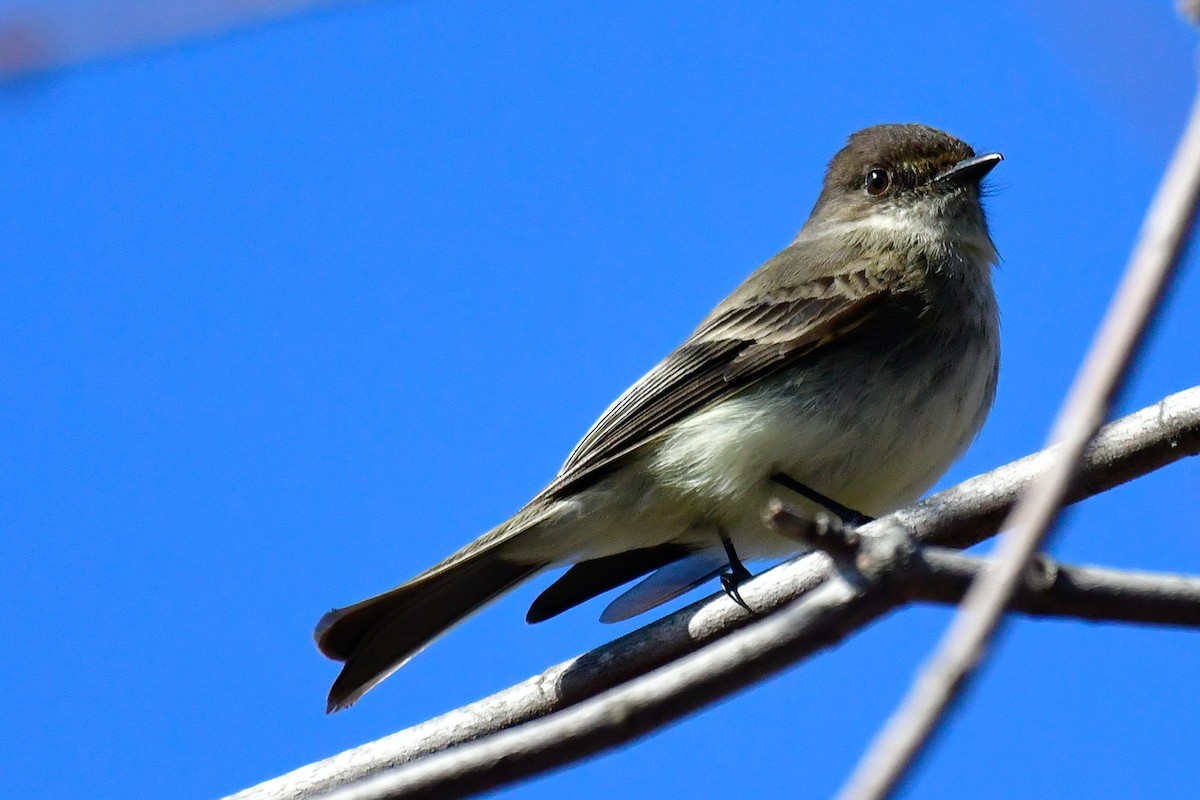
x=846 y=373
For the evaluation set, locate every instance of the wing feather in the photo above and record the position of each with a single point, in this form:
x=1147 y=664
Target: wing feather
x=749 y=337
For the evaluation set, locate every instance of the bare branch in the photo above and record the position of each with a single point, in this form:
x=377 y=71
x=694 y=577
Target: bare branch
x=892 y=568
x=1163 y=238
x=964 y=514
x=819 y=619
x=1050 y=589
x=825 y=533
x=1046 y=588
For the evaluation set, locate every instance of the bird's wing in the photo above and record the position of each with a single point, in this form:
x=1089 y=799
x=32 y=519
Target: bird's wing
x=665 y=584
x=747 y=338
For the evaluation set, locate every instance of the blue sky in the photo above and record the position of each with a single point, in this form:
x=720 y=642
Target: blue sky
x=291 y=313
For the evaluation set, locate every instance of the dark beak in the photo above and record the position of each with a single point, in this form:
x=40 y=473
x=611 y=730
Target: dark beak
x=971 y=170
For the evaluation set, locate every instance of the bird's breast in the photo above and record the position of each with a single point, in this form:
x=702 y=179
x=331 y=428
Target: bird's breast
x=870 y=427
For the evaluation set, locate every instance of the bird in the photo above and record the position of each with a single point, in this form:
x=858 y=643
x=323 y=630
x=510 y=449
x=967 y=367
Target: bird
x=846 y=374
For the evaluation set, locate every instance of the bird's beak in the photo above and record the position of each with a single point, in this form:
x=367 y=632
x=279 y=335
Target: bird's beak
x=970 y=170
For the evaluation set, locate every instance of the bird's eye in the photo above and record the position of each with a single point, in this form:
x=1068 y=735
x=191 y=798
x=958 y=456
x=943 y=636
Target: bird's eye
x=878 y=181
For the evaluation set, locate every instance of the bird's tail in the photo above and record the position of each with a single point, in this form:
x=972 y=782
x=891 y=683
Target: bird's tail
x=376 y=636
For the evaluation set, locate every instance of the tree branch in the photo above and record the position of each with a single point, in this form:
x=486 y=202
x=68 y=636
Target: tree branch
x=878 y=572
x=1133 y=446
x=1058 y=590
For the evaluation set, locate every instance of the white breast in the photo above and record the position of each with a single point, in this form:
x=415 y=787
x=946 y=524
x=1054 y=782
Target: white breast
x=872 y=454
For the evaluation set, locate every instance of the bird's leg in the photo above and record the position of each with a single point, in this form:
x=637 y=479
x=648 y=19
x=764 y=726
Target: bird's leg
x=736 y=575
x=848 y=516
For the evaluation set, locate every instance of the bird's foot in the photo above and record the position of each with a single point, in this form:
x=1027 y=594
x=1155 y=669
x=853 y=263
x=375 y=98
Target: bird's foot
x=735 y=575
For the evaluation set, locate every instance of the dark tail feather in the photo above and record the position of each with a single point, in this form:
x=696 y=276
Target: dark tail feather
x=587 y=579
x=376 y=636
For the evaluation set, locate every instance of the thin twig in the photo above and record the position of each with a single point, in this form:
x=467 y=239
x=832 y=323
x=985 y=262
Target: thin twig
x=893 y=569
x=1049 y=589
x=1163 y=239
x=964 y=514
